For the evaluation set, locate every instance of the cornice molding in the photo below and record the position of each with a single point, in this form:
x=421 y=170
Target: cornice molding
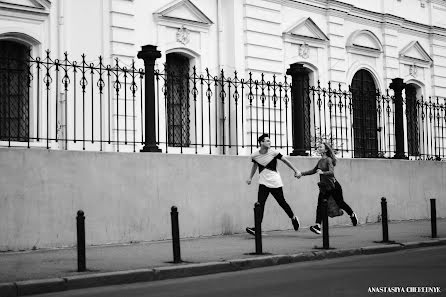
x=200 y=17
x=413 y=61
x=372 y=38
x=363 y=51
x=35 y=7
x=359 y=15
x=310 y=25
x=439 y=2
x=424 y=59
x=299 y=39
x=166 y=16
x=317 y=37
x=178 y=23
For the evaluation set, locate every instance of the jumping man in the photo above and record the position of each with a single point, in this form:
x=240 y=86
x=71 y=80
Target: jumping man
x=269 y=179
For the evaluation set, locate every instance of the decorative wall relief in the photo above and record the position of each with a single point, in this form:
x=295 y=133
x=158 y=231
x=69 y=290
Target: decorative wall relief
x=183 y=35
x=413 y=70
x=304 y=50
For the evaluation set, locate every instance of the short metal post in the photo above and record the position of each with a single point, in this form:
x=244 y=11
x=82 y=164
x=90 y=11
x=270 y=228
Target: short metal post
x=80 y=224
x=384 y=220
x=325 y=239
x=258 y=228
x=433 y=218
x=175 y=235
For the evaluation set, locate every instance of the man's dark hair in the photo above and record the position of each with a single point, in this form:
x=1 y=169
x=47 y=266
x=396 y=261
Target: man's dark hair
x=262 y=137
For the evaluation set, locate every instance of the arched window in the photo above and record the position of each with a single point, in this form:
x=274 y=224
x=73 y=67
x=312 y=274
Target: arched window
x=364 y=115
x=14 y=91
x=177 y=100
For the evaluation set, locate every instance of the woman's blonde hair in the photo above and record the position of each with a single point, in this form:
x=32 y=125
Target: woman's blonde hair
x=330 y=153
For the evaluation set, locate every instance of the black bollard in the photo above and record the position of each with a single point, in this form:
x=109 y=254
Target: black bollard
x=433 y=218
x=175 y=235
x=325 y=239
x=384 y=220
x=80 y=224
x=258 y=228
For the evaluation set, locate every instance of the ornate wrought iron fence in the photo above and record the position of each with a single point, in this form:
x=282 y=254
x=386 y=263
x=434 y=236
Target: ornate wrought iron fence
x=220 y=114
x=63 y=104
x=428 y=123
x=71 y=105
x=361 y=123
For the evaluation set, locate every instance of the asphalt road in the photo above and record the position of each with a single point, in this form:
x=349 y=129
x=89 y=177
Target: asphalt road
x=349 y=276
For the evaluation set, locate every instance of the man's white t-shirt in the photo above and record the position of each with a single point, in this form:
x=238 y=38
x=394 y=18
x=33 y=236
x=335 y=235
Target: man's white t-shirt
x=268 y=168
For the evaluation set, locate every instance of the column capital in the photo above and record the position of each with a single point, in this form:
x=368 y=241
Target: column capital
x=297 y=69
x=397 y=85
x=149 y=52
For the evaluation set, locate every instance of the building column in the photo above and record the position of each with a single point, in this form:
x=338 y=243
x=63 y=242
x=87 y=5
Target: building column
x=299 y=75
x=398 y=86
x=149 y=54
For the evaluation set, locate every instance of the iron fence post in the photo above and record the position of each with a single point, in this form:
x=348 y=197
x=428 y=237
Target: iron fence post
x=298 y=73
x=149 y=54
x=80 y=225
x=398 y=86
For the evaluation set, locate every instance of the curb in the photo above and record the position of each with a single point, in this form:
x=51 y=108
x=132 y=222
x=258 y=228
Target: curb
x=108 y=278
x=378 y=249
x=31 y=287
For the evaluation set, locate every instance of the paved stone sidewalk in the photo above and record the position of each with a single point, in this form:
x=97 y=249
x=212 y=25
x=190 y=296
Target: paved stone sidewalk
x=43 y=264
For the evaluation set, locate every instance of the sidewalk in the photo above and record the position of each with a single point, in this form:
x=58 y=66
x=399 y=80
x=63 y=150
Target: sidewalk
x=62 y=263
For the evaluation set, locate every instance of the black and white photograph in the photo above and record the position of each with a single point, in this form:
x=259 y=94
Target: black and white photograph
x=222 y=148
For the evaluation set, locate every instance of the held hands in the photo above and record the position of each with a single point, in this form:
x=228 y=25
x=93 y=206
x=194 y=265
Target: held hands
x=297 y=174
x=319 y=171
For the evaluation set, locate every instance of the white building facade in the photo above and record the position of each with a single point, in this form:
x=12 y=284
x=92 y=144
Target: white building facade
x=342 y=42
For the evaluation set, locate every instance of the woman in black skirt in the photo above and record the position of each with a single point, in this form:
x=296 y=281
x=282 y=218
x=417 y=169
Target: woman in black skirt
x=328 y=185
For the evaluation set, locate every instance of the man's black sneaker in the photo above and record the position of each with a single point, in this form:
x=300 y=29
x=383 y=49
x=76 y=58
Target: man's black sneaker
x=295 y=222
x=251 y=231
x=354 y=219
x=316 y=229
